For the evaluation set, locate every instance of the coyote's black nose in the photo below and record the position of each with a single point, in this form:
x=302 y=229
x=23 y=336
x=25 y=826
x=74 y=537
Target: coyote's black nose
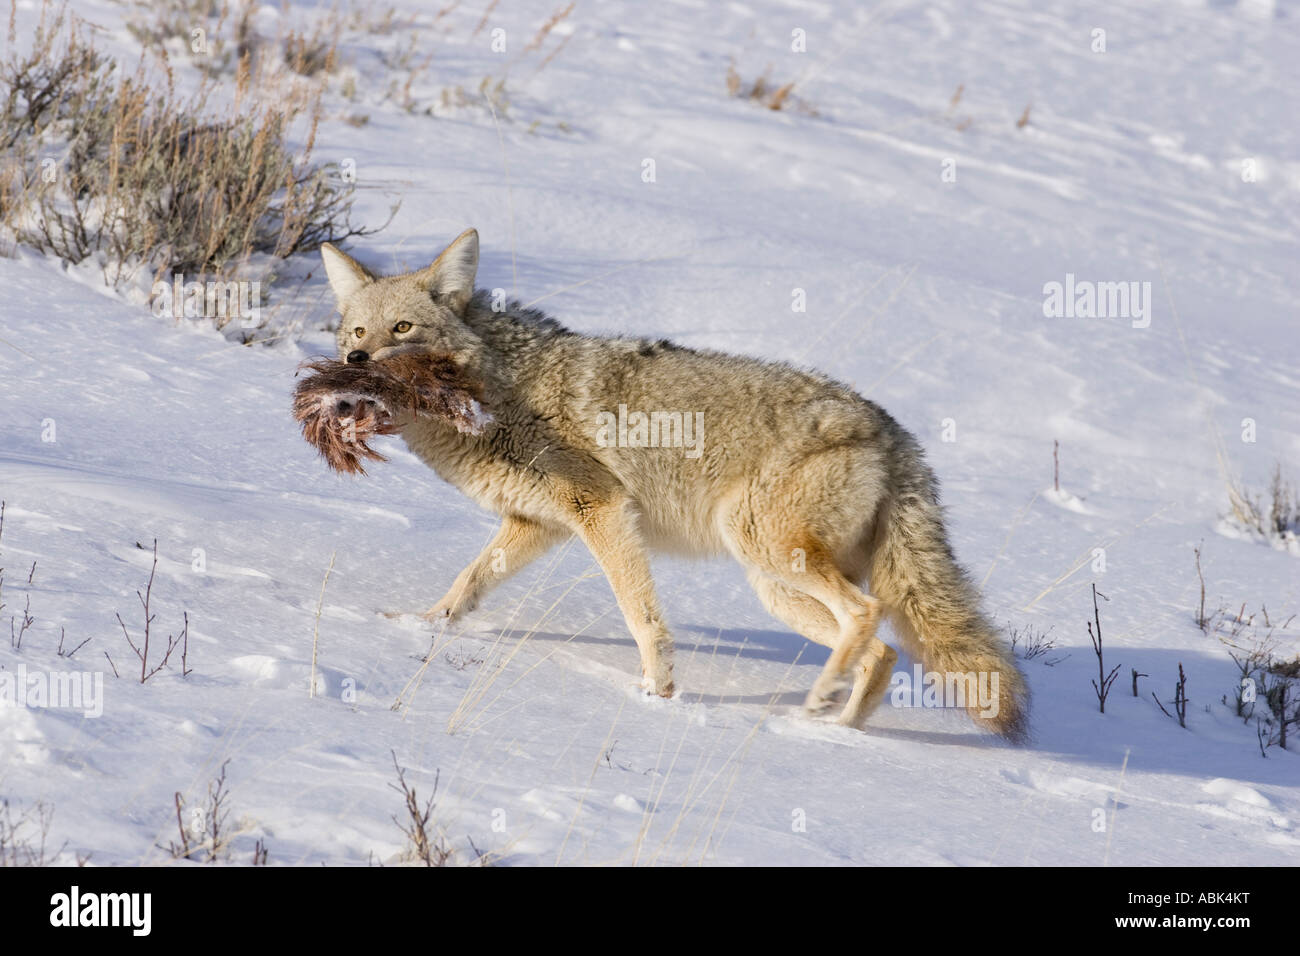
x=357 y=356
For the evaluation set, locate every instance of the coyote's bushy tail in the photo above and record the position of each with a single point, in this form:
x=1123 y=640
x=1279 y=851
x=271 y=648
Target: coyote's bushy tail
x=933 y=605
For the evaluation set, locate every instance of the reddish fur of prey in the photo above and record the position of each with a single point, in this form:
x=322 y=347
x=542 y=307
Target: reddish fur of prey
x=342 y=405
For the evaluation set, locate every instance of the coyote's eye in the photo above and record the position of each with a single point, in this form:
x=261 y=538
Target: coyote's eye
x=359 y=332
x=402 y=327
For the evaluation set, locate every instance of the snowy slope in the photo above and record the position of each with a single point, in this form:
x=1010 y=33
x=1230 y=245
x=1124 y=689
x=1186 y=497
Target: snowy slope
x=926 y=294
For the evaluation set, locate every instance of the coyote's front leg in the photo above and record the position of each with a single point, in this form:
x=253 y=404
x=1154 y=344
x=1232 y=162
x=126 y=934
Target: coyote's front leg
x=517 y=542
x=610 y=531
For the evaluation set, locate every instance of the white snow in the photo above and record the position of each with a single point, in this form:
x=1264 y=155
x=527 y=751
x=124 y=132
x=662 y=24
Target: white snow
x=927 y=295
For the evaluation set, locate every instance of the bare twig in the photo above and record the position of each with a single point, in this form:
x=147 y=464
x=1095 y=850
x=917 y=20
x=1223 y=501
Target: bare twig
x=16 y=639
x=185 y=646
x=1201 y=620
x=183 y=851
x=1180 y=696
x=1102 y=689
x=72 y=652
x=142 y=651
x=217 y=795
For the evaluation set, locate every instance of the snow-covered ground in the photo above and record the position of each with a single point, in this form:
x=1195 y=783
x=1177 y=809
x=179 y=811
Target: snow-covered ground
x=924 y=289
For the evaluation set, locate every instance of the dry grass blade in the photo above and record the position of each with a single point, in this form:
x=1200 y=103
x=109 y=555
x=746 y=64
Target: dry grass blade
x=548 y=26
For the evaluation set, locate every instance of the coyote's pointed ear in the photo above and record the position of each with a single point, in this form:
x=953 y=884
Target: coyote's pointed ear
x=452 y=273
x=346 y=275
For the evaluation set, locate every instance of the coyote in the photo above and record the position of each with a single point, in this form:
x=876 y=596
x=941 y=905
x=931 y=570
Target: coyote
x=636 y=445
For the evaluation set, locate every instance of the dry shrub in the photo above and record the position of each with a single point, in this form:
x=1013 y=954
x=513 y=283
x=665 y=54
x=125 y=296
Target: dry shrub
x=24 y=836
x=1267 y=687
x=366 y=19
x=315 y=52
x=430 y=849
x=490 y=94
x=41 y=87
x=205 y=830
x=761 y=91
x=1278 y=519
x=230 y=39
x=1278 y=681
x=153 y=180
x=1284 y=512
x=1029 y=643
x=212 y=41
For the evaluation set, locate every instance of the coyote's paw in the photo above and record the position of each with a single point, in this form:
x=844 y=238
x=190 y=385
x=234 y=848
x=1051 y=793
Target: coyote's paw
x=850 y=718
x=826 y=695
x=448 y=609
x=661 y=686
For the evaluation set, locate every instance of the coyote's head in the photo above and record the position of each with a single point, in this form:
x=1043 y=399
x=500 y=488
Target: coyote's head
x=385 y=315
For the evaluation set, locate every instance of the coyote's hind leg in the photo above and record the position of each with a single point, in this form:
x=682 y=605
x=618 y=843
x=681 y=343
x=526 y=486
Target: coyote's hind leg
x=870 y=682
x=810 y=618
x=821 y=604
